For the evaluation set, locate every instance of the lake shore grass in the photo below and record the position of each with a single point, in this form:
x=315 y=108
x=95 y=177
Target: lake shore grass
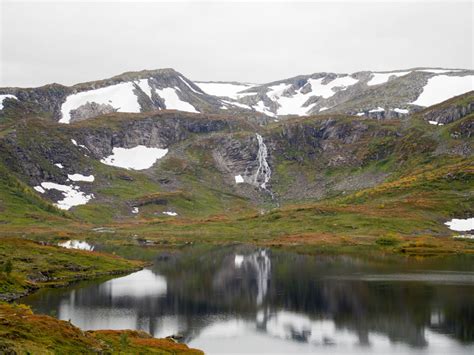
x=22 y=331
x=27 y=266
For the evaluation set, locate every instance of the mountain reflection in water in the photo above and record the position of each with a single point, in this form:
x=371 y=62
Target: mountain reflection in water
x=242 y=299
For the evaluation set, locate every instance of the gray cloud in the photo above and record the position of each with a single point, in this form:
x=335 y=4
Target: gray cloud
x=255 y=42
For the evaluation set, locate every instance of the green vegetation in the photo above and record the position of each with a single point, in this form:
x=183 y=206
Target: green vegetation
x=28 y=265
x=23 y=332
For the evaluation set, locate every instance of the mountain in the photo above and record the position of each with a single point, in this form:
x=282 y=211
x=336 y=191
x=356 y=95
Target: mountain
x=232 y=174
x=372 y=94
x=194 y=164
x=143 y=91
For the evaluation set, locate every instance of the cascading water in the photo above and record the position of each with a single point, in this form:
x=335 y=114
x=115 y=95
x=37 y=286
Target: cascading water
x=263 y=172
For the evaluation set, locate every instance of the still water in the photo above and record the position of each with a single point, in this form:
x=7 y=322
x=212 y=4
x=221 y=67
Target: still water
x=247 y=300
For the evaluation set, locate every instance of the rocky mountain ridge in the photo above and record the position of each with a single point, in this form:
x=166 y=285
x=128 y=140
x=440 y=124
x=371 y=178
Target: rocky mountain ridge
x=378 y=95
x=144 y=91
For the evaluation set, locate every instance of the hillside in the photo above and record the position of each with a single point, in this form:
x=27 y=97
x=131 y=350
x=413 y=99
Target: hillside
x=177 y=169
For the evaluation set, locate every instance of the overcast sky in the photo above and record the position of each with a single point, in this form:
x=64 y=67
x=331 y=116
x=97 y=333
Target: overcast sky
x=73 y=41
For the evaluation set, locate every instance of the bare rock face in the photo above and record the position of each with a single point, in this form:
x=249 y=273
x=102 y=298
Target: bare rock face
x=449 y=113
x=159 y=130
x=91 y=109
x=237 y=157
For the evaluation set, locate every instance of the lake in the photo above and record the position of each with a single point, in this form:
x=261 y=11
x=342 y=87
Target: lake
x=241 y=299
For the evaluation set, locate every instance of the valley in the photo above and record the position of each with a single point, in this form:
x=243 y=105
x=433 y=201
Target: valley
x=148 y=165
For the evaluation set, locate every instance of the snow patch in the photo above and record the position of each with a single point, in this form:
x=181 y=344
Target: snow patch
x=323 y=109
x=260 y=107
x=170 y=213
x=78 y=145
x=145 y=86
x=136 y=158
x=59 y=165
x=439 y=71
x=378 y=109
x=401 y=110
x=237 y=104
x=80 y=177
x=224 y=89
x=442 y=87
x=435 y=123
x=327 y=90
x=120 y=96
x=173 y=102
x=464 y=236
x=276 y=91
x=39 y=189
x=239 y=179
x=135 y=210
x=461 y=225
x=380 y=78
x=294 y=104
x=72 y=195
x=77 y=244
x=3 y=97
x=189 y=86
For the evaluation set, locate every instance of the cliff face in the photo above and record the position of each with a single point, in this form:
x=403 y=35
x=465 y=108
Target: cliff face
x=451 y=110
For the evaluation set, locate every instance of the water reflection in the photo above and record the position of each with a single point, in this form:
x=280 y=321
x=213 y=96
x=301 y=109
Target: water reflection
x=246 y=300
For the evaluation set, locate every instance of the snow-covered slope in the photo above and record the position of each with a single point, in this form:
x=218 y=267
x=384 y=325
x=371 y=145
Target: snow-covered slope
x=373 y=94
x=443 y=87
x=224 y=89
x=119 y=97
x=153 y=92
x=142 y=91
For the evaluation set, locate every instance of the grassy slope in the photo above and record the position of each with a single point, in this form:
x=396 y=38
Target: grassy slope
x=411 y=207
x=35 y=265
x=425 y=188
x=21 y=331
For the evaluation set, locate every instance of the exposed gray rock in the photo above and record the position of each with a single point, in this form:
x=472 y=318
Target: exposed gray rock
x=447 y=113
x=89 y=110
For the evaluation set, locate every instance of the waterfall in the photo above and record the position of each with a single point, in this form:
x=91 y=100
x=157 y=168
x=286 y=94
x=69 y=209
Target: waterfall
x=264 y=172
